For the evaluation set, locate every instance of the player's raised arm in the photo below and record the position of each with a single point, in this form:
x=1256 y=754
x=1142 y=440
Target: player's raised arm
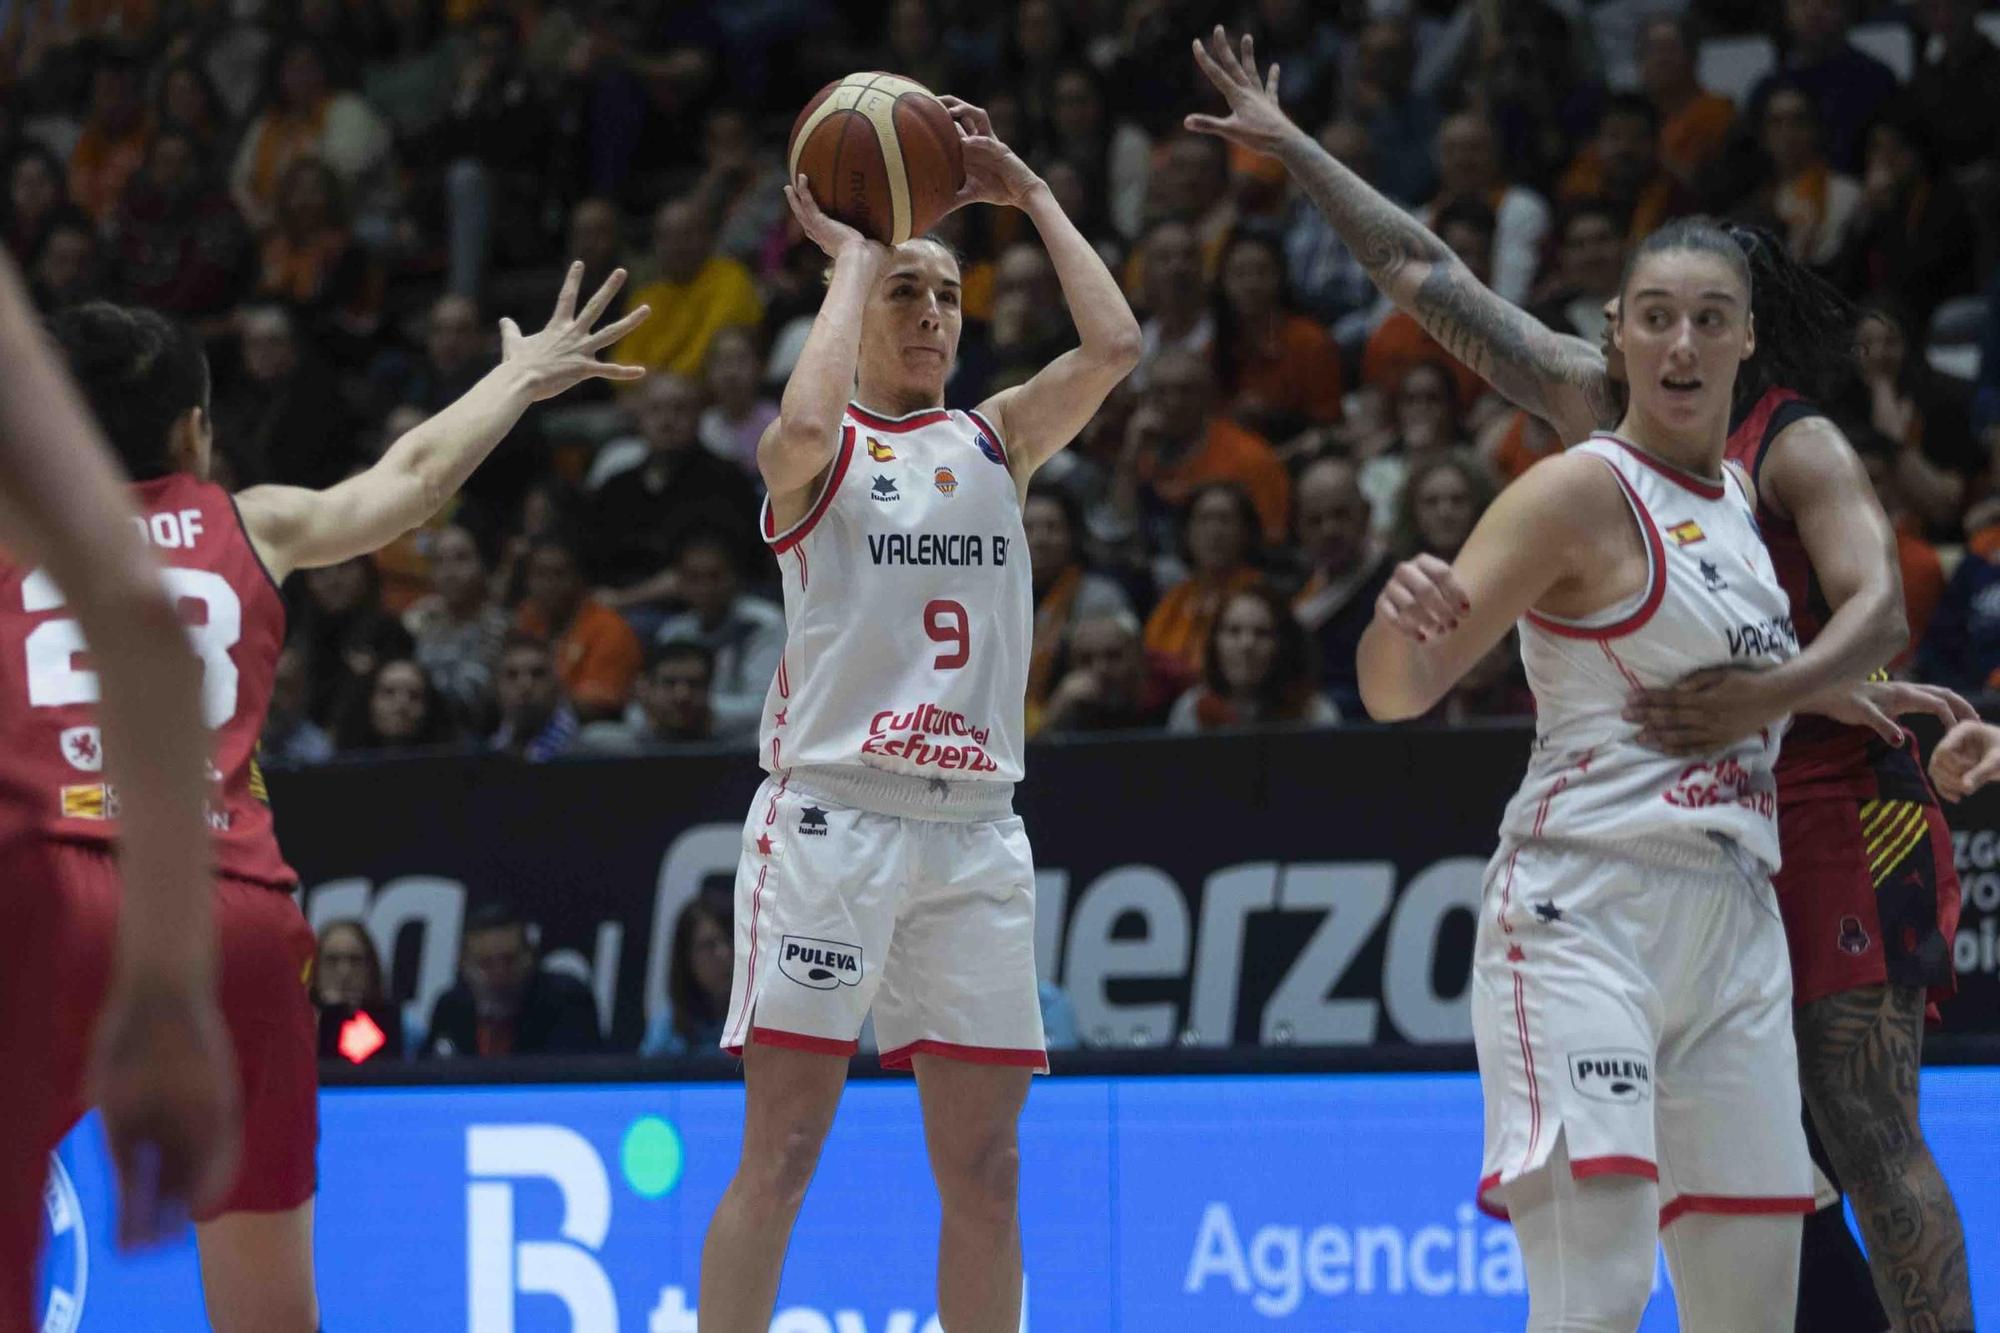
x=162 y=1071
x=797 y=447
x=295 y=528
x=1038 y=418
x=1556 y=377
x=1434 y=622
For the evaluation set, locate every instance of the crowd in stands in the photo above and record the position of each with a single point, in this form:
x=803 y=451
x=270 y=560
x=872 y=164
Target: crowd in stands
x=344 y=196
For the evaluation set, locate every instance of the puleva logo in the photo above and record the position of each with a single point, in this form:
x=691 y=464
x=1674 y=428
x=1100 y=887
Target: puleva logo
x=65 y=1253
x=820 y=964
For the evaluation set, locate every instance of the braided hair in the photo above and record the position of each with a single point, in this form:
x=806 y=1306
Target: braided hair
x=1805 y=327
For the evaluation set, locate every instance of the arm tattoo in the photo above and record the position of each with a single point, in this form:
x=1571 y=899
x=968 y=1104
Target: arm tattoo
x=1558 y=378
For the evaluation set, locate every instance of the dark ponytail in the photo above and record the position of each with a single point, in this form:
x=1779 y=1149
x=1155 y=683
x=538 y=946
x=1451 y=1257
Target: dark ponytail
x=1805 y=327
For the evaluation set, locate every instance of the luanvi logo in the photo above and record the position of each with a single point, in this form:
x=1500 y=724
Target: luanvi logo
x=820 y=964
x=1621 y=1076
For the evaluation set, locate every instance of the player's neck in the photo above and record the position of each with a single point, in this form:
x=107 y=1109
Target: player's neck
x=1698 y=450
x=896 y=401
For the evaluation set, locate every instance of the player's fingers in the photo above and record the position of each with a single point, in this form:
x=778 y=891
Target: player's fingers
x=612 y=332
x=1937 y=703
x=566 y=299
x=510 y=332
x=1206 y=125
x=618 y=370
x=1224 y=55
x=1961 y=710
x=1400 y=613
x=1445 y=580
x=1880 y=722
x=600 y=301
x=1438 y=612
x=1271 y=82
x=1246 y=56
x=1981 y=773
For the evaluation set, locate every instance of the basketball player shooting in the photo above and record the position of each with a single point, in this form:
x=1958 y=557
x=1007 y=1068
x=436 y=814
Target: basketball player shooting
x=161 y=1071
x=882 y=865
x=147 y=382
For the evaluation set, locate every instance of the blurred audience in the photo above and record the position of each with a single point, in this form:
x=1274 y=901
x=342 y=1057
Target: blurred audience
x=694 y=292
x=536 y=722
x=595 y=653
x=1108 y=681
x=744 y=634
x=505 y=1002
x=671 y=704
x=1219 y=545
x=398 y=708
x=1257 y=669
x=699 y=962
x=459 y=627
x=1348 y=568
x=356 y=1019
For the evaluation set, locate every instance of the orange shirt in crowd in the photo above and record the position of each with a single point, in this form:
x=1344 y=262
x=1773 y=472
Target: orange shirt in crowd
x=1228 y=452
x=1692 y=136
x=1526 y=442
x=1661 y=200
x=1398 y=343
x=99 y=167
x=1923 y=582
x=597 y=657
x=1179 y=626
x=1299 y=371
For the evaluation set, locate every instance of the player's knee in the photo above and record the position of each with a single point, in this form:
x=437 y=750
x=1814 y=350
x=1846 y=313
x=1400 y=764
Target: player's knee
x=777 y=1176
x=980 y=1179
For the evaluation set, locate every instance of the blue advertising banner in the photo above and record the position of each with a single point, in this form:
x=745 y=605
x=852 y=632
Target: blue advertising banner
x=1337 y=1203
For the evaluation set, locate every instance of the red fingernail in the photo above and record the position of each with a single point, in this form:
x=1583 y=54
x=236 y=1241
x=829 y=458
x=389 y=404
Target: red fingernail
x=1422 y=637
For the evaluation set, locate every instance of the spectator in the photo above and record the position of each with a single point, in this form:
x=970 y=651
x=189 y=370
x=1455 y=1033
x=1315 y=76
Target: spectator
x=399 y=708
x=176 y=243
x=1178 y=315
x=917 y=47
x=1257 y=669
x=1303 y=41
x=458 y=628
x=596 y=654
x=1067 y=593
x=745 y=634
x=113 y=143
x=409 y=78
x=289 y=735
x=1913 y=238
x=741 y=191
x=671 y=701
x=304 y=116
x=640 y=516
x=310 y=262
x=186 y=101
x=1108 y=681
x=1589 y=263
x=66 y=269
x=1324 y=277
x=1953 y=83
x=1189 y=183
x=285 y=421
x=340 y=623
x=1923 y=414
x=1468 y=156
x=493 y=144
x=1349 y=569
x=536 y=722
x=1850 y=87
x=1278 y=370
x=1442 y=501
x=1812 y=205
x=1027 y=328
x=1219 y=538
x=1961 y=649
x=696 y=293
x=1038 y=46
x=1175 y=443
x=1622 y=166
x=737 y=410
x=1425 y=425
x=504 y=1002
x=699 y=966
x=1923 y=572
x=1496 y=686
x=1694 y=123
x=1399 y=342
x=36 y=196
x=1402 y=122
x=1115 y=157
x=347 y=984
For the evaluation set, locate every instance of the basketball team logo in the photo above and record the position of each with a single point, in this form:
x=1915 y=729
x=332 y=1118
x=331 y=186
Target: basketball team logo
x=987 y=447
x=65 y=1252
x=1623 y=1077
x=947 y=481
x=1853 y=938
x=83 y=747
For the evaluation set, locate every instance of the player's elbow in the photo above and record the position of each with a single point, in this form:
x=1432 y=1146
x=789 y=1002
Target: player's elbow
x=1119 y=350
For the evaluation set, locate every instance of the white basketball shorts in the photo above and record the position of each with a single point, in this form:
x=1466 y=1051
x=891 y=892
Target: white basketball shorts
x=927 y=916
x=1638 y=1003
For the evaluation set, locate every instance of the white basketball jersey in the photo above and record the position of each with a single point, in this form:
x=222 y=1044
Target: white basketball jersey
x=1711 y=599
x=908 y=606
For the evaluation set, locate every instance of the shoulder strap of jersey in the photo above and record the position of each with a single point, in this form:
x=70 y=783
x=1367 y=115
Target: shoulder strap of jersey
x=1777 y=409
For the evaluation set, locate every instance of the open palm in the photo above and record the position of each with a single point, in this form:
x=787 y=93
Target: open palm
x=1255 y=119
x=564 y=353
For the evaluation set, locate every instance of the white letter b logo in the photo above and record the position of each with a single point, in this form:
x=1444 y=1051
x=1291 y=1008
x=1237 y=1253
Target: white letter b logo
x=496 y=1267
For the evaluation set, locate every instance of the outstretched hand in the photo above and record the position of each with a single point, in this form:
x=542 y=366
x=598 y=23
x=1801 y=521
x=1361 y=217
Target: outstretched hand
x=564 y=353
x=994 y=174
x=1255 y=119
x=1966 y=759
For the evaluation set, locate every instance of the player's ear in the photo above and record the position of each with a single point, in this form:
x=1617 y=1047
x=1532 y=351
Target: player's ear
x=1750 y=336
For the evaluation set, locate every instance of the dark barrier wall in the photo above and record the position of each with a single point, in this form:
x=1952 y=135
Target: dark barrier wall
x=1304 y=889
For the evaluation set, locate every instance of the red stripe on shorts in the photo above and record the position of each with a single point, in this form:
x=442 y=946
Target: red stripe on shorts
x=978 y=1055
x=1534 y=1085
x=1583 y=1168
x=1736 y=1205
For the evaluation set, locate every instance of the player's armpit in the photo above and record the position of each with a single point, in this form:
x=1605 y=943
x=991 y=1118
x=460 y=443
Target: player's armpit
x=1037 y=419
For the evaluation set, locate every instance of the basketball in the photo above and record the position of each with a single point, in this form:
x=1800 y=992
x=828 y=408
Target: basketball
x=880 y=153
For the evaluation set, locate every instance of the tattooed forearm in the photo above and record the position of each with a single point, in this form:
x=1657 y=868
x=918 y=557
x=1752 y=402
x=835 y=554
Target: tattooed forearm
x=1560 y=379
x=1858 y=1059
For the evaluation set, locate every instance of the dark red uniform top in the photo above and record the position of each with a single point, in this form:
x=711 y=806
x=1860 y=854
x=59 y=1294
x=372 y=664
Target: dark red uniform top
x=52 y=758
x=1820 y=757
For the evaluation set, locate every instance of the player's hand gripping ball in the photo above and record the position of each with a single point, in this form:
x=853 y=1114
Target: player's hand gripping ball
x=880 y=154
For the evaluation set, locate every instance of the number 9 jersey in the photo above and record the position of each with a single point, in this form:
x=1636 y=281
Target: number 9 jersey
x=53 y=764
x=908 y=606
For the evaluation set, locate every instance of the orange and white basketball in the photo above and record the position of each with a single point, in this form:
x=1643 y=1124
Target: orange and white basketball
x=880 y=153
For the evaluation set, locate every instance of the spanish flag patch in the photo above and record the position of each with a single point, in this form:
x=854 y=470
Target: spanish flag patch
x=1686 y=534
x=879 y=451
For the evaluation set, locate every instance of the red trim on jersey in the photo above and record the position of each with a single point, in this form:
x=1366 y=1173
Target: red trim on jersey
x=1542 y=814
x=750 y=982
x=1534 y=1084
x=1687 y=481
x=928 y=416
x=1747 y=443
x=1619 y=662
x=1583 y=1168
x=977 y=1055
x=797 y=1041
x=1737 y=1205
x=1492 y=1210
x=792 y=536
x=1507 y=891
x=992 y=434
x=1656 y=591
x=250 y=542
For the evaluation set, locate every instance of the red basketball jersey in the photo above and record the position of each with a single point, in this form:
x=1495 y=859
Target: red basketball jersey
x=52 y=774
x=1820 y=757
